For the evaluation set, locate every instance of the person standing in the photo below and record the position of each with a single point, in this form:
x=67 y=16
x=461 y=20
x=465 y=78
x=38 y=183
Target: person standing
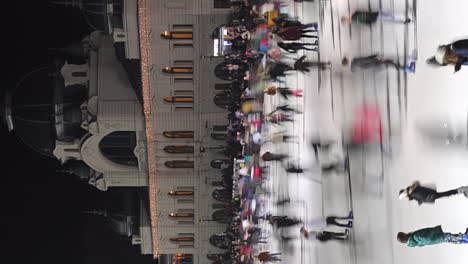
x=427 y=195
x=302 y=65
x=431 y=236
x=325 y=235
x=376 y=61
x=455 y=54
x=268 y=257
x=293 y=47
x=295 y=33
x=268 y=156
x=372 y=17
x=283 y=91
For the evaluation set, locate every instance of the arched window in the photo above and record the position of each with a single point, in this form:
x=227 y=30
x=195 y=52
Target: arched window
x=119 y=147
x=180 y=193
x=179 y=149
x=178 y=99
x=179 y=164
x=178 y=134
x=183 y=70
x=177 y=34
x=222 y=100
x=181 y=215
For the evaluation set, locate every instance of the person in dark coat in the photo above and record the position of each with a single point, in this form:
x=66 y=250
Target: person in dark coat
x=427 y=195
x=375 y=62
x=282 y=221
x=268 y=156
x=369 y=18
x=294 y=33
x=279 y=70
x=453 y=54
x=293 y=47
x=302 y=65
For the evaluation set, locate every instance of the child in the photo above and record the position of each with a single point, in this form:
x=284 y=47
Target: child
x=454 y=54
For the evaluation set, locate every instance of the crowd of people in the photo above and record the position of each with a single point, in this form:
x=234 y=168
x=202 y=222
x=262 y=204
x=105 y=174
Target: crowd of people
x=256 y=64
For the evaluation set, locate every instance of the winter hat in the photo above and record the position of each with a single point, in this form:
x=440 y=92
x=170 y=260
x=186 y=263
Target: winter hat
x=440 y=54
x=403 y=194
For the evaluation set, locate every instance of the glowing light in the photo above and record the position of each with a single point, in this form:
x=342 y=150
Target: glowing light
x=145 y=52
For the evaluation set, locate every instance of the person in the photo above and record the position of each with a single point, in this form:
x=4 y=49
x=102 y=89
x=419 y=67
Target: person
x=274 y=54
x=376 y=61
x=268 y=257
x=427 y=195
x=278 y=118
x=286 y=108
x=294 y=33
x=293 y=47
x=453 y=54
x=282 y=221
x=268 y=156
x=369 y=18
x=278 y=70
x=431 y=236
x=285 y=92
x=325 y=235
x=303 y=66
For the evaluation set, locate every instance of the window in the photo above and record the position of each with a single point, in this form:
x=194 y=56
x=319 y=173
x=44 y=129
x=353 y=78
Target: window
x=178 y=134
x=222 y=4
x=181 y=239
x=218 y=136
x=119 y=147
x=178 y=149
x=179 y=164
x=182 y=45
x=222 y=100
x=178 y=99
x=181 y=215
x=180 y=193
x=177 y=34
x=183 y=62
x=183 y=108
x=223 y=86
x=183 y=80
x=178 y=70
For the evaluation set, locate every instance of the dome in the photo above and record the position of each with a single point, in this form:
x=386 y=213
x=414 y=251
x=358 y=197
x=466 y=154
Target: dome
x=102 y=15
x=41 y=110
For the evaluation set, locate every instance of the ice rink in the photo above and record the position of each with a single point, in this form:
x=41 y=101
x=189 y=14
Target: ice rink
x=377 y=171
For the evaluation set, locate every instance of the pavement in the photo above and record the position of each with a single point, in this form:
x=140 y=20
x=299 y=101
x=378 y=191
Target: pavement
x=329 y=105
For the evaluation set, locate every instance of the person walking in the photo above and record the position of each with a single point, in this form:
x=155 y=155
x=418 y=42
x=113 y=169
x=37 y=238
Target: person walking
x=282 y=221
x=431 y=236
x=325 y=235
x=294 y=47
x=277 y=118
x=368 y=18
x=268 y=156
x=375 y=62
x=285 y=92
x=455 y=54
x=295 y=33
x=427 y=195
x=302 y=65
x=279 y=69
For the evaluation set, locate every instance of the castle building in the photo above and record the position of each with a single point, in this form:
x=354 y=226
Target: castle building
x=117 y=115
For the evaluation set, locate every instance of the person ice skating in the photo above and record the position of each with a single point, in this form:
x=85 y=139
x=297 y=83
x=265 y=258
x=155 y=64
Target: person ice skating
x=368 y=18
x=331 y=220
x=431 y=236
x=268 y=156
x=302 y=65
x=294 y=47
x=427 y=195
x=375 y=61
x=280 y=137
x=277 y=118
x=295 y=33
x=325 y=235
x=286 y=108
x=279 y=70
x=268 y=257
x=282 y=221
x=285 y=92
x=455 y=54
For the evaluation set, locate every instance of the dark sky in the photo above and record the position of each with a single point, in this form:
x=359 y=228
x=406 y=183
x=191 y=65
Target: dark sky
x=41 y=208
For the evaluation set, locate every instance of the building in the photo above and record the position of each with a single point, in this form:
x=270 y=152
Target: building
x=110 y=128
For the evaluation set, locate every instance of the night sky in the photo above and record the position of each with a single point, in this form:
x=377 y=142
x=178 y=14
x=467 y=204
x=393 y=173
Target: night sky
x=41 y=208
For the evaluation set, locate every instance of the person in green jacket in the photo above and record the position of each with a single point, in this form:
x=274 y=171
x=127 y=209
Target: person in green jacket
x=431 y=236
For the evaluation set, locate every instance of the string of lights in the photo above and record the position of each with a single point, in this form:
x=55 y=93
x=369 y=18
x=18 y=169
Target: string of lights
x=145 y=52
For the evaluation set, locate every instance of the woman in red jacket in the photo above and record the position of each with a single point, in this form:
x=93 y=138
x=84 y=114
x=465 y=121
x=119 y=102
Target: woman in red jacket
x=294 y=33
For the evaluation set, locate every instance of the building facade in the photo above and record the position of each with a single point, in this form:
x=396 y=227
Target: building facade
x=98 y=127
